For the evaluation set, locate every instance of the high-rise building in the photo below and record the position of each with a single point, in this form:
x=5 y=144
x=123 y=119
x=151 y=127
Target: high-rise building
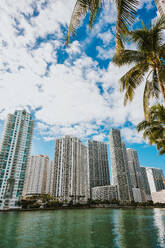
x=119 y=173
x=135 y=172
x=14 y=155
x=98 y=166
x=37 y=175
x=50 y=178
x=145 y=182
x=131 y=197
x=70 y=170
x=155 y=179
x=160 y=6
x=134 y=168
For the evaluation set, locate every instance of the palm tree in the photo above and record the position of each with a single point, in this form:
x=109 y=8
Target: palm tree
x=148 y=62
x=154 y=127
x=126 y=12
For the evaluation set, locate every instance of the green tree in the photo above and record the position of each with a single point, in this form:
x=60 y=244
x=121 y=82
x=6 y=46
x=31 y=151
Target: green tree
x=148 y=63
x=154 y=127
x=126 y=11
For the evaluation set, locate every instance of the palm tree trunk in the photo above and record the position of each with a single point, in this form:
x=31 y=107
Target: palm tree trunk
x=119 y=44
x=162 y=88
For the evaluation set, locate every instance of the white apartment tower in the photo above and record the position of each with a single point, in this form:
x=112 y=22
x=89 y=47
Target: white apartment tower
x=37 y=175
x=50 y=178
x=146 y=182
x=119 y=171
x=125 y=157
x=135 y=173
x=70 y=170
x=98 y=166
x=14 y=155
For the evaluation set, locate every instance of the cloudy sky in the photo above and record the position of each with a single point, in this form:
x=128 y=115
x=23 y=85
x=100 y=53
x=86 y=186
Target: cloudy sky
x=72 y=90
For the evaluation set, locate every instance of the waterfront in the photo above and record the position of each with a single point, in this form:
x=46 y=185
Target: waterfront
x=92 y=228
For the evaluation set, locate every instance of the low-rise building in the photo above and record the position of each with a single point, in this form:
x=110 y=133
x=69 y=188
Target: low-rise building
x=137 y=194
x=158 y=196
x=103 y=193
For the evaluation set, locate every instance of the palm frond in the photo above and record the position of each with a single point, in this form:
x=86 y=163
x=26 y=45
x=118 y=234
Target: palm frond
x=149 y=39
x=128 y=57
x=80 y=10
x=154 y=127
x=131 y=80
x=126 y=13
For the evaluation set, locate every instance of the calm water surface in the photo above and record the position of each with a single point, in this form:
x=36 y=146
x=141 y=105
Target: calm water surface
x=95 y=228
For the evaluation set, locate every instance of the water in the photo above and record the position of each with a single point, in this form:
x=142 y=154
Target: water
x=93 y=228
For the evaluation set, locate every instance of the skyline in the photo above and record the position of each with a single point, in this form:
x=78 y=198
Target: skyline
x=77 y=168
x=40 y=150
x=72 y=90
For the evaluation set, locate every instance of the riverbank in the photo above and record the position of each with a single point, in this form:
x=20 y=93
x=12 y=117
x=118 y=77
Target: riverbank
x=104 y=206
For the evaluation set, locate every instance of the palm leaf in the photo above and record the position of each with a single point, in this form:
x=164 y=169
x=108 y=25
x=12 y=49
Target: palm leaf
x=128 y=57
x=80 y=10
x=154 y=127
x=131 y=80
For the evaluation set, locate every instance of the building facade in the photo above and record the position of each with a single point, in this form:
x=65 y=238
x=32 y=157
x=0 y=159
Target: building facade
x=50 y=178
x=160 y=6
x=14 y=155
x=158 y=196
x=146 y=183
x=98 y=166
x=135 y=172
x=70 y=170
x=137 y=196
x=131 y=197
x=105 y=193
x=155 y=179
x=37 y=175
x=119 y=173
x=134 y=168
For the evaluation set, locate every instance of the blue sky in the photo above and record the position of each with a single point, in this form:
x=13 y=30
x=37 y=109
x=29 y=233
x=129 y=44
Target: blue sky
x=69 y=90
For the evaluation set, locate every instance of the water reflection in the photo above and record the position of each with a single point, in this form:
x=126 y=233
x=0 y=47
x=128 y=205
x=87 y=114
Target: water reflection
x=96 y=228
x=136 y=229
x=159 y=221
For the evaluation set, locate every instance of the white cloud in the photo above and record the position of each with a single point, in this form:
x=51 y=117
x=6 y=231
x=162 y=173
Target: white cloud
x=99 y=137
x=67 y=96
x=105 y=53
x=131 y=135
x=106 y=37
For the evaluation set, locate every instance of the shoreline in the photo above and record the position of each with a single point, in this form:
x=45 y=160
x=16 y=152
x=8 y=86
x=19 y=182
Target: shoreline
x=81 y=208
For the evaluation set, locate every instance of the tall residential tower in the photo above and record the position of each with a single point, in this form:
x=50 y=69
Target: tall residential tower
x=37 y=176
x=119 y=171
x=98 y=166
x=14 y=155
x=135 y=175
x=70 y=170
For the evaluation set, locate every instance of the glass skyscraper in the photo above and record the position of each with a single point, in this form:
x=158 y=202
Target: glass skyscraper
x=14 y=154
